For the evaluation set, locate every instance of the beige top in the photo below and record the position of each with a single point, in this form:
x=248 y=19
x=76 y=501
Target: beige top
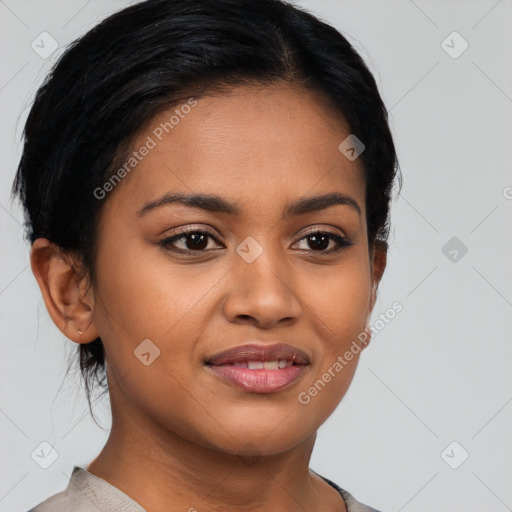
x=89 y=493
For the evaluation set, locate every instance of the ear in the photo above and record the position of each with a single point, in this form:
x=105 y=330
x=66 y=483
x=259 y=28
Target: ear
x=378 y=265
x=378 y=258
x=64 y=292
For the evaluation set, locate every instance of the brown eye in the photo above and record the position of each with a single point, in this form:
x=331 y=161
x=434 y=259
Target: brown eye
x=194 y=241
x=318 y=241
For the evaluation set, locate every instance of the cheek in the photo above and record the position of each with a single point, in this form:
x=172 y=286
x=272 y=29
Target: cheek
x=339 y=302
x=140 y=300
x=144 y=296
x=337 y=306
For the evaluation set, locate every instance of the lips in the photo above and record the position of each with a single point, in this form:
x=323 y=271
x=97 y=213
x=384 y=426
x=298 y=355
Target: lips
x=255 y=352
x=257 y=368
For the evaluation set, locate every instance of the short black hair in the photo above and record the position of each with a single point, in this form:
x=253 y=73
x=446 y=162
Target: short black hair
x=148 y=57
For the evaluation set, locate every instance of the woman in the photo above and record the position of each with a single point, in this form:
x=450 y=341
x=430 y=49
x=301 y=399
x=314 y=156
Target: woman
x=207 y=188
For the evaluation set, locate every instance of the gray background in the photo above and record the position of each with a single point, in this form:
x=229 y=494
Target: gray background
x=439 y=372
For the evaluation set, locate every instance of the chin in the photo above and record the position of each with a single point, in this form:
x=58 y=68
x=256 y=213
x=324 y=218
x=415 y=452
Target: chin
x=258 y=438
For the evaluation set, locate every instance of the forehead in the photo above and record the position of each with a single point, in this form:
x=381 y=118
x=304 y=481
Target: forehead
x=263 y=144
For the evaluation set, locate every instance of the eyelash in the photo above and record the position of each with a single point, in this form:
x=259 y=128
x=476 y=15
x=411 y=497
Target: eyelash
x=342 y=242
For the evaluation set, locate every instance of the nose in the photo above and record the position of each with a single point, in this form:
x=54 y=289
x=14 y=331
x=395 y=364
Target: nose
x=263 y=292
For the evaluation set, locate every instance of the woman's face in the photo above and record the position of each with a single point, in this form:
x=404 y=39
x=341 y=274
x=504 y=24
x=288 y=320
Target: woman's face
x=255 y=277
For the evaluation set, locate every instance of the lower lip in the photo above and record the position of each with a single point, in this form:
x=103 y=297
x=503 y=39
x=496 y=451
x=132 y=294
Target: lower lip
x=259 y=381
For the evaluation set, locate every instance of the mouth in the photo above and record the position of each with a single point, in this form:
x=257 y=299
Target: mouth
x=260 y=368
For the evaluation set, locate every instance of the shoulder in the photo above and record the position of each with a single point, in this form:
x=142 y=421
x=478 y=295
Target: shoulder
x=86 y=492
x=352 y=504
x=62 y=501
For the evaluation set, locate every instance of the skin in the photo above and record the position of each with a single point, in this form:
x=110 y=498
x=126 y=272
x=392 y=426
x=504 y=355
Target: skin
x=181 y=437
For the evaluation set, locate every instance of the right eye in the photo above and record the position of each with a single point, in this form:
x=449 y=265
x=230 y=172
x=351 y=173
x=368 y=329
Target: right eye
x=195 y=241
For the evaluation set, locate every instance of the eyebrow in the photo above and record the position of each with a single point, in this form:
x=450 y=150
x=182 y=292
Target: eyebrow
x=216 y=204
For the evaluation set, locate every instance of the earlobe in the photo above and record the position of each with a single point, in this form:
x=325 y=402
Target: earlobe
x=62 y=288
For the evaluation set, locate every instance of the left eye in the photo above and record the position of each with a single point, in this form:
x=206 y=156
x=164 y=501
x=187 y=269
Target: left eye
x=197 y=241
x=320 y=240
